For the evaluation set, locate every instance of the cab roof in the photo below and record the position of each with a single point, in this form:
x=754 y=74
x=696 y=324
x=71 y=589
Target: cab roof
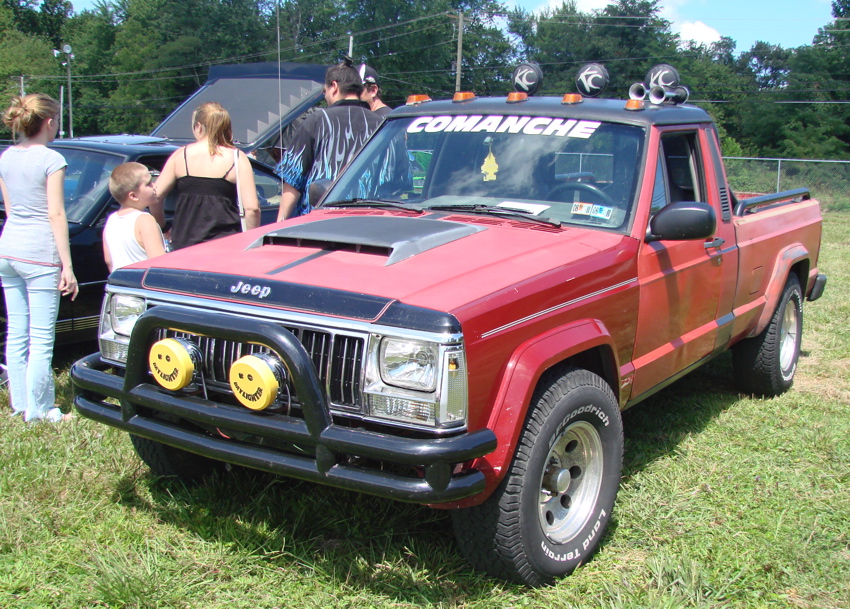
x=608 y=110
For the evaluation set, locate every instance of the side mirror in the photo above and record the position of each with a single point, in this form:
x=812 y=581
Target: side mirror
x=682 y=221
x=318 y=189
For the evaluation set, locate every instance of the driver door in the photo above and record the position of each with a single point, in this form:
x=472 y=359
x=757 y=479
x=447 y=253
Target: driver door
x=680 y=281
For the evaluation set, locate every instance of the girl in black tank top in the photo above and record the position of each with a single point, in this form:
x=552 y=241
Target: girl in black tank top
x=207 y=208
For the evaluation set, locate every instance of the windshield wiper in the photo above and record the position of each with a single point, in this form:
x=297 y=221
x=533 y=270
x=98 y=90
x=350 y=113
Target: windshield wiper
x=475 y=208
x=357 y=202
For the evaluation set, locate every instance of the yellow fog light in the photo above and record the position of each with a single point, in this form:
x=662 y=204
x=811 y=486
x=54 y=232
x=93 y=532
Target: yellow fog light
x=173 y=362
x=256 y=380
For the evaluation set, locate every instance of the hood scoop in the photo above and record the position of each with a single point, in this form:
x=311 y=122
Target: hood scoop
x=395 y=238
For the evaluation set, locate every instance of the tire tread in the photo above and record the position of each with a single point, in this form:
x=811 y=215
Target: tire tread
x=488 y=534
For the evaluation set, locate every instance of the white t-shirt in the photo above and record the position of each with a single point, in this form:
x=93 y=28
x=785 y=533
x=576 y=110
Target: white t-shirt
x=119 y=234
x=27 y=234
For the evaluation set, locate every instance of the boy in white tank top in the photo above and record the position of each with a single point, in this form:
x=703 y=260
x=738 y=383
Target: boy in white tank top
x=130 y=234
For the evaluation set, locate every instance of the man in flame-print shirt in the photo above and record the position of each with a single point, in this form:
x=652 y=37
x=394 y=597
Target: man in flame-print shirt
x=326 y=140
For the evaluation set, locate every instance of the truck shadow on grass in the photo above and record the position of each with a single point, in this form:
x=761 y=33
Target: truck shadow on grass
x=406 y=552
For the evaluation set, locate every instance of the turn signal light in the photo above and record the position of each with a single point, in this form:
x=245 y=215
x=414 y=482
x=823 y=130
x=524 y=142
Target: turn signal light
x=413 y=100
x=462 y=96
x=572 y=98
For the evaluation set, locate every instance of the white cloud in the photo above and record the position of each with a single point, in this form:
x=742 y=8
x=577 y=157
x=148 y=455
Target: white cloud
x=696 y=31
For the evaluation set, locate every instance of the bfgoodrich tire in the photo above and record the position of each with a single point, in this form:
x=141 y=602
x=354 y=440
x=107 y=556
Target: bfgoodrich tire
x=550 y=511
x=166 y=460
x=765 y=364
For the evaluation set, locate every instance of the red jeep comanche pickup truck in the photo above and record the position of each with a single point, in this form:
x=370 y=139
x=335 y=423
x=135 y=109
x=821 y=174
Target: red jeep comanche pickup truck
x=463 y=317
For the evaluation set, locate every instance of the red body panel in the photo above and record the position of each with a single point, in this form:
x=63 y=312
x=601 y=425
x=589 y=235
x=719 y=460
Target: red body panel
x=529 y=296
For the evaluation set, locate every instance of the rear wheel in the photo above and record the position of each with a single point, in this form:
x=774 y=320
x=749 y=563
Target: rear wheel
x=765 y=364
x=549 y=513
x=165 y=460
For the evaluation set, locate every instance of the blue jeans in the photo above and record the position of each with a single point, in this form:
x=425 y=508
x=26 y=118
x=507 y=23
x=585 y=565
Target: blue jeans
x=32 y=304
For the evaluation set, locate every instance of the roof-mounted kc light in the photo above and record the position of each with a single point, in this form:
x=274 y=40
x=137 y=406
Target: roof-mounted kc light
x=591 y=79
x=660 y=85
x=527 y=78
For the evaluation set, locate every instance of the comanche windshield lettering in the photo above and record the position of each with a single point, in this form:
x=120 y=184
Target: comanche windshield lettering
x=529 y=125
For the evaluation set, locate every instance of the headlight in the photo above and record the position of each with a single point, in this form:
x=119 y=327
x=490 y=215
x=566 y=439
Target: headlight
x=416 y=383
x=410 y=364
x=124 y=311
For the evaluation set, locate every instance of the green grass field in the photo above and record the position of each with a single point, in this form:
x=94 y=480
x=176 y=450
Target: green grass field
x=726 y=501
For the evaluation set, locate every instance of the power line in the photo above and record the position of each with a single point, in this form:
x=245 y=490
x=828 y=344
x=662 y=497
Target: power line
x=255 y=55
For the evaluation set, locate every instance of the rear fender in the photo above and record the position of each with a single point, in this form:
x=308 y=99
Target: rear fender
x=786 y=260
x=527 y=364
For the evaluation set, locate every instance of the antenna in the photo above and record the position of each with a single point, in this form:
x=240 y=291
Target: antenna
x=279 y=93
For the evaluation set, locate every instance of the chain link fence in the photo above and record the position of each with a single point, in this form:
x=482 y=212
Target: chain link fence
x=828 y=181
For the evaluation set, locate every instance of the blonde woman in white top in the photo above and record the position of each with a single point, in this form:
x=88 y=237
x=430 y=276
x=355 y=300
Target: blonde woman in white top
x=35 y=254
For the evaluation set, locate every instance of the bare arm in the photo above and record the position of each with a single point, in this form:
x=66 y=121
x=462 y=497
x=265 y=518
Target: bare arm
x=288 y=200
x=149 y=235
x=248 y=192
x=59 y=226
x=107 y=257
x=164 y=184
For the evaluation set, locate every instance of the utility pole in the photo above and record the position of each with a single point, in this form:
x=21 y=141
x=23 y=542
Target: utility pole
x=67 y=50
x=22 y=86
x=459 y=48
x=61 y=113
x=69 y=56
x=350 y=45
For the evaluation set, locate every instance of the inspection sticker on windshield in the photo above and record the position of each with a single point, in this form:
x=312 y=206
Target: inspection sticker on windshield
x=532 y=208
x=588 y=209
x=494 y=123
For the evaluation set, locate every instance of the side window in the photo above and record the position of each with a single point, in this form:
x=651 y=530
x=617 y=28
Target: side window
x=268 y=188
x=682 y=164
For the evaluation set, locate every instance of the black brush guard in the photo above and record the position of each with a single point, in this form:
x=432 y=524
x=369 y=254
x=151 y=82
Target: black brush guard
x=334 y=444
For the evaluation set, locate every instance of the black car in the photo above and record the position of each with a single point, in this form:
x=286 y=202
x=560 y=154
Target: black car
x=263 y=101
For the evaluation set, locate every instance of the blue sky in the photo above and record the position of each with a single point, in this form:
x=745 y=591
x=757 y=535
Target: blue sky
x=789 y=23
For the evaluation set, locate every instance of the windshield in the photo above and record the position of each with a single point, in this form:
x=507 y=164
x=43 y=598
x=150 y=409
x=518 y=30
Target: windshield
x=86 y=180
x=567 y=171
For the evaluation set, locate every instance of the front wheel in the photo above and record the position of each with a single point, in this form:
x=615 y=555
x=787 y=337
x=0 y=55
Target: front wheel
x=765 y=364
x=165 y=460
x=549 y=513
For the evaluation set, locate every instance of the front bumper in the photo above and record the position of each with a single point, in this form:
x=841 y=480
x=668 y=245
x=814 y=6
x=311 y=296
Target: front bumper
x=149 y=411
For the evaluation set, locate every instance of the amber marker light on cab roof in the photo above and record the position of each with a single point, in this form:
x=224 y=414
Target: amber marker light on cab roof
x=418 y=98
x=634 y=104
x=462 y=96
x=517 y=96
x=572 y=98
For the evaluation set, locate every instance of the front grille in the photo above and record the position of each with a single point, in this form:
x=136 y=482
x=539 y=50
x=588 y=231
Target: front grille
x=338 y=359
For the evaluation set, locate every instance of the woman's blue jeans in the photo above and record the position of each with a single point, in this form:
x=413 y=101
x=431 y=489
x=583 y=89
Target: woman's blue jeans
x=32 y=304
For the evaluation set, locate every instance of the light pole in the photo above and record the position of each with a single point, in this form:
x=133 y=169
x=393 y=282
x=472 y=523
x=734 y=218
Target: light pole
x=67 y=50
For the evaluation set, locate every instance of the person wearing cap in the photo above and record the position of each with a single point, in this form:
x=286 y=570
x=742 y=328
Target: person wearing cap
x=326 y=141
x=372 y=91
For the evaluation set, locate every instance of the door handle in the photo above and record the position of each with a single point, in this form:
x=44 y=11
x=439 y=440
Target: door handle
x=718 y=242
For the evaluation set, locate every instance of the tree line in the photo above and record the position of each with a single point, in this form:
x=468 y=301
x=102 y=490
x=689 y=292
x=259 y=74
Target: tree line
x=134 y=61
